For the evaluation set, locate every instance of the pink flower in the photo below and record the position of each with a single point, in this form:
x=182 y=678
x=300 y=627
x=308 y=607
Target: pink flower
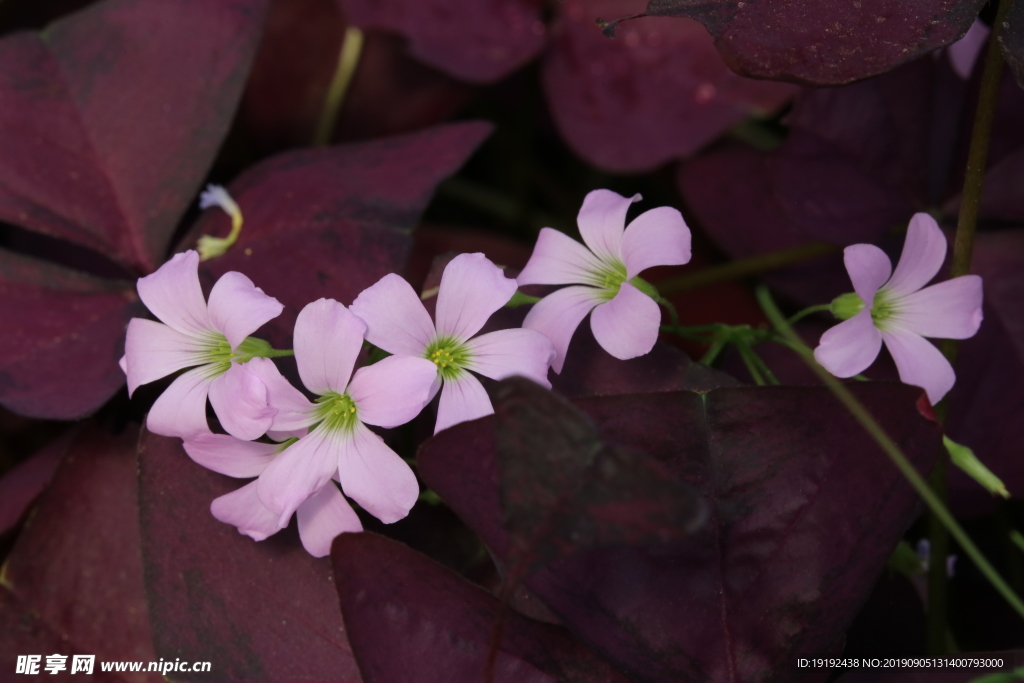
x=210 y=338
x=472 y=289
x=328 y=338
x=321 y=517
x=626 y=318
x=901 y=313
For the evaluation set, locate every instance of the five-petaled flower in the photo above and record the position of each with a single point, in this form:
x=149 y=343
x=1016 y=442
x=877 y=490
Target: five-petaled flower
x=214 y=337
x=321 y=517
x=626 y=319
x=328 y=338
x=902 y=311
x=472 y=289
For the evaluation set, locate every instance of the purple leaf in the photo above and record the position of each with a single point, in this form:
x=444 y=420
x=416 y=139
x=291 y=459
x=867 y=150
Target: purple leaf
x=658 y=92
x=480 y=41
x=259 y=611
x=331 y=222
x=413 y=620
x=20 y=486
x=76 y=564
x=61 y=339
x=112 y=119
x=805 y=510
x=1011 y=40
x=819 y=42
x=563 y=490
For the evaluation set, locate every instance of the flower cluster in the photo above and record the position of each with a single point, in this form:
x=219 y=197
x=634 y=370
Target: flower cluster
x=310 y=452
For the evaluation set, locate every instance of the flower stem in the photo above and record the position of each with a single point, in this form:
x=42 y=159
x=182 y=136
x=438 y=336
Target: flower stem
x=753 y=265
x=871 y=426
x=809 y=311
x=963 y=247
x=348 y=60
x=280 y=353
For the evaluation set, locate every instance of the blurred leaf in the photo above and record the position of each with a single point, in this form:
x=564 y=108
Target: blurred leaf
x=20 y=486
x=658 y=92
x=804 y=512
x=62 y=336
x=259 y=611
x=413 y=620
x=76 y=566
x=331 y=222
x=820 y=42
x=563 y=490
x=964 y=458
x=113 y=115
x=480 y=42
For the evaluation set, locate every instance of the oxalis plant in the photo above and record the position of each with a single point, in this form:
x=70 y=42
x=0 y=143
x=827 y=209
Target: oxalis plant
x=591 y=340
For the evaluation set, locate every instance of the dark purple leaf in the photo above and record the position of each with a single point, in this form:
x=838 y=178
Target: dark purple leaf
x=805 y=510
x=480 y=42
x=820 y=42
x=113 y=115
x=62 y=335
x=563 y=490
x=258 y=611
x=1011 y=40
x=658 y=92
x=20 y=486
x=331 y=222
x=413 y=620
x=77 y=565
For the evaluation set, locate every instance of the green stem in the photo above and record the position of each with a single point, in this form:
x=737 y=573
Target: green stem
x=754 y=265
x=747 y=355
x=809 y=311
x=348 y=60
x=963 y=247
x=673 y=314
x=280 y=353
x=871 y=426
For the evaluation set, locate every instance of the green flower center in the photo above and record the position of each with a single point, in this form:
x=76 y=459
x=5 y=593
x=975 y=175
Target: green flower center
x=450 y=357
x=218 y=354
x=882 y=308
x=337 y=412
x=848 y=305
x=609 y=278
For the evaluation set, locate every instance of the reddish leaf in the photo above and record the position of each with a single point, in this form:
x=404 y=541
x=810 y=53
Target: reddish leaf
x=77 y=563
x=1012 y=41
x=22 y=485
x=112 y=118
x=819 y=42
x=480 y=41
x=331 y=222
x=62 y=335
x=412 y=620
x=658 y=92
x=258 y=611
x=805 y=510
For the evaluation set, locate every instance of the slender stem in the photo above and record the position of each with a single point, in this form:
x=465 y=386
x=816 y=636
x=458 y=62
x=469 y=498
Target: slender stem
x=348 y=60
x=713 y=352
x=673 y=314
x=280 y=353
x=809 y=311
x=963 y=247
x=754 y=265
x=871 y=426
x=746 y=354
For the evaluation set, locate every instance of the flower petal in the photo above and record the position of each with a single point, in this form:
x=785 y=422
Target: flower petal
x=238 y=307
x=851 y=346
x=294 y=411
x=153 y=350
x=628 y=325
x=920 y=363
x=506 y=353
x=869 y=268
x=472 y=289
x=658 y=237
x=375 y=477
x=558 y=259
x=328 y=338
x=323 y=516
x=239 y=398
x=392 y=391
x=243 y=509
x=462 y=400
x=300 y=471
x=923 y=254
x=181 y=410
x=395 y=318
x=174 y=296
x=228 y=455
x=947 y=310
x=557 y=316
x=602 y=219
